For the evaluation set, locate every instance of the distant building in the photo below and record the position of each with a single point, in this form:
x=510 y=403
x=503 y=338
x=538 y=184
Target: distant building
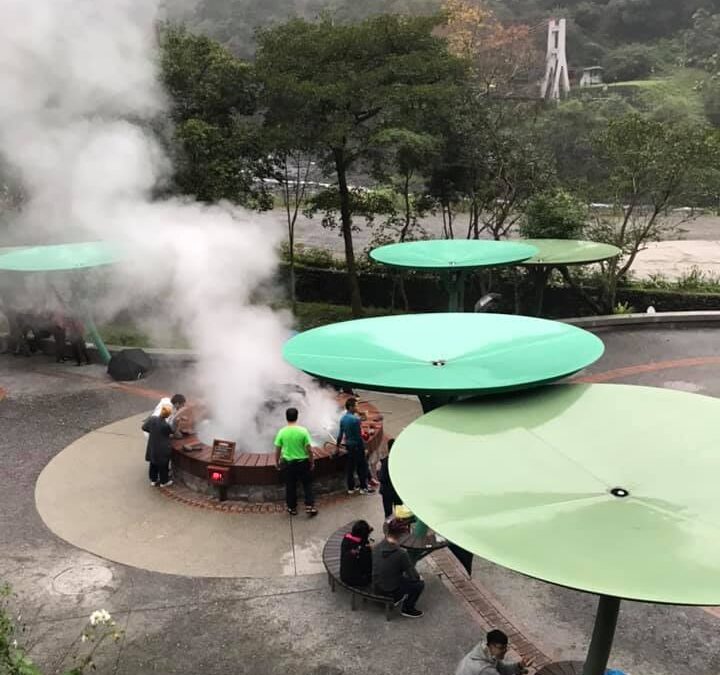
x=591 y=76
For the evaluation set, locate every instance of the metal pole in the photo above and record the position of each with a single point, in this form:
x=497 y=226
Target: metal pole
x=97 y=340
x=453 y=285
x=602 y=637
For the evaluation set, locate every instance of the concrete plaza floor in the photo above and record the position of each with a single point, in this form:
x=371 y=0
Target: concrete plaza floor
x=203 y=592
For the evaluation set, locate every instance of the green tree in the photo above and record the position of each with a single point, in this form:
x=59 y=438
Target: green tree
x=651 y=167
x=554 y=214
x=629 y=62
x=215 y=144
x=567 y=131
x=490 y=165
x=351 y=81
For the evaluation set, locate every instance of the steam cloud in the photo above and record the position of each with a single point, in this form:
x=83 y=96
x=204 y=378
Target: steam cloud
x=78 y=90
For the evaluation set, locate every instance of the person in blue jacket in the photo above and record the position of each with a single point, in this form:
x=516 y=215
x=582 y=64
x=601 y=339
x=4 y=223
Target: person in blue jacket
x=351 y=432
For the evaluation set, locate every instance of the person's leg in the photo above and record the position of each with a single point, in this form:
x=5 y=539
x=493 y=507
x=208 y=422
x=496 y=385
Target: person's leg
x=350 y=468
x=76 y=352
x=362 y=468
x=387 y=505
x=373 y=460
x=413 y=590
x=307 y=482
x=84 y=351
x=153 y=473
x=164 y=473
x=291 y=485
x=59 y=337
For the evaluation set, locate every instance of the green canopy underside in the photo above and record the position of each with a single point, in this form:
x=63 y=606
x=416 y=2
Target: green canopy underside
x=452 y=254
x=569 y=252
x=444 y=353
x=524 y=481
x=59 y=257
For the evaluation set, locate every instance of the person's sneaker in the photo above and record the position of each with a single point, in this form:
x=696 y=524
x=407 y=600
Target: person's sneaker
x=367 y=491
x=168 y=484
x=351 y=492
x=412 y=613
x=153 y=483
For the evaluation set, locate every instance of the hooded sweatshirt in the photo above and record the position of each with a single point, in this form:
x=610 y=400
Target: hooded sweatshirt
x=479 y=662
x=355 y=561
x=389 y=564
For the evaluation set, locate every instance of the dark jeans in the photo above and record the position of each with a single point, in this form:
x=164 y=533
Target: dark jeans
x=413 y=590
x=388 y=504
x=356 y=463
x=80 y=351
x=59 y=337
x=160 y=473
x=294 y=472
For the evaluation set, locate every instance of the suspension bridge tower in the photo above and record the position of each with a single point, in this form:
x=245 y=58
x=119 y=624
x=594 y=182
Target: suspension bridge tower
x=556 y=82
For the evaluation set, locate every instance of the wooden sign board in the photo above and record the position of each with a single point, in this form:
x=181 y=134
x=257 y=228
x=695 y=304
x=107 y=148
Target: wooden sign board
x=223 y=452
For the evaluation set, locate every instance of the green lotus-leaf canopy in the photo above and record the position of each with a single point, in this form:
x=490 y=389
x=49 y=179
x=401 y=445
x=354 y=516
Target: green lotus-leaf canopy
x=610 y=489
x=569 y=252
x=453 y=354
x=59 y=257
x=452 y=254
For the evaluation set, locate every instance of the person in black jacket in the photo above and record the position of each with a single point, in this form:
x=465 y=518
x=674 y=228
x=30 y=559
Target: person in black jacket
x=356 y=555
x=159 y=447
x=390 y=498
x=394 y=574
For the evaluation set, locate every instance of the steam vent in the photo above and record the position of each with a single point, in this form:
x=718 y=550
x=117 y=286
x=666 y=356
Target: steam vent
x=253 y=476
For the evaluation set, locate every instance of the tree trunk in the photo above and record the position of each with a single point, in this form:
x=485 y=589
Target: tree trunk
x=346 y=219
x=293 y=297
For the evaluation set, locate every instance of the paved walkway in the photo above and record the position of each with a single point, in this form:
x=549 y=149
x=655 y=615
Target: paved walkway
x=280 y=618
x=95 y=495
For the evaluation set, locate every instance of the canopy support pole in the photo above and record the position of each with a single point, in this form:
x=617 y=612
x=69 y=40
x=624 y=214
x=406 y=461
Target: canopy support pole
x=603 y=634
x=96 y=339
x=456 y=290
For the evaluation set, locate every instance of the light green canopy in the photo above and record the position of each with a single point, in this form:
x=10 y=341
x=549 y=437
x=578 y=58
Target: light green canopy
x=603 y=488
x=452 y=354
x=564 y=252
x=452 y=254
x=59 y=257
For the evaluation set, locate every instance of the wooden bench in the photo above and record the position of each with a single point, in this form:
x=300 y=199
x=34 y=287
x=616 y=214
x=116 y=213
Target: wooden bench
x=331 y=560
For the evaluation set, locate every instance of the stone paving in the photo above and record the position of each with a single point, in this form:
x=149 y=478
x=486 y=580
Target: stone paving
x=204 y=592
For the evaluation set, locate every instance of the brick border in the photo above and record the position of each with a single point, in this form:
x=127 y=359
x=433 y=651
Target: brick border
x=486 y=610
x=187 y=497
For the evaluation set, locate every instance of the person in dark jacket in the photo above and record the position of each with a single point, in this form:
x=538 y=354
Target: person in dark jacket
x=159 y=447
x=390 y=498
x=351 y=431
x=488 y=658
x=356 y=555
x=59 y=336
x=394 y=574
x=76 y=335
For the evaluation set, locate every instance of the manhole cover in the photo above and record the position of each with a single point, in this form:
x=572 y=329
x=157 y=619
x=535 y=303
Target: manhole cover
x=81 y=579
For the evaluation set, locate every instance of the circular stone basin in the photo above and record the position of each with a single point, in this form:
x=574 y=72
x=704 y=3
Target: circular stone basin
x=254 y=477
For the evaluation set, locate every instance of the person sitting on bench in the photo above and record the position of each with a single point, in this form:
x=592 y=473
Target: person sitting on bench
x=394 y=574
x=356 y=556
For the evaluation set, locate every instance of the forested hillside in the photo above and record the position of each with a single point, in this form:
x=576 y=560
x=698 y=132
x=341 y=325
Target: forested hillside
x=671 y=29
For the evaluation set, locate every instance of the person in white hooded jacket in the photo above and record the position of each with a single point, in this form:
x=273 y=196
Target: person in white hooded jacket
x=487 y=658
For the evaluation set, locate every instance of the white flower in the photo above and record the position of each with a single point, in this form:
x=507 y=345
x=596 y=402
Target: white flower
x=14 y=644
x=101 y=617
x=84 y=638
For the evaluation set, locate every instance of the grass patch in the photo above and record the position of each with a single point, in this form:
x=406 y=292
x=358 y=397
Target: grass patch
x=308 y=315
x=313 y=314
